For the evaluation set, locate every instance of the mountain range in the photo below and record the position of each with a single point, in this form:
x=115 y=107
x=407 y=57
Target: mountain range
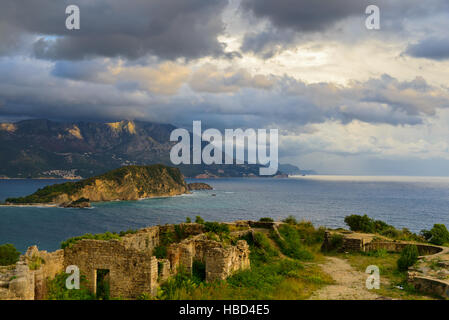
x=42 y=148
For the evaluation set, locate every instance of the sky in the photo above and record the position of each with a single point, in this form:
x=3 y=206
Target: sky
x=346 y=99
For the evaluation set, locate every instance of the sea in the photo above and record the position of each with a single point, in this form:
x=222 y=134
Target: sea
x=415 y=203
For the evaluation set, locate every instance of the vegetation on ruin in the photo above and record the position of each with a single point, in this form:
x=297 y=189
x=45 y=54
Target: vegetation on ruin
x=366 y=224
x=35 y=262
x=8 y=254
x=57 y=289
x=273 y=274
x=393 y=266
x=437 y=235
x=409 y=256
x=99 y=236
x=147 y=178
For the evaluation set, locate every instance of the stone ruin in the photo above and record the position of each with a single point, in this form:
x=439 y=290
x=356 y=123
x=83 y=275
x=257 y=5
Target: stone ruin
x=129 y=262
x=429 y=275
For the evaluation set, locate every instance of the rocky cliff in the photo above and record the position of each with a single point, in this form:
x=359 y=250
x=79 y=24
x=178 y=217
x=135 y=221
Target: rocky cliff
x=126 y=183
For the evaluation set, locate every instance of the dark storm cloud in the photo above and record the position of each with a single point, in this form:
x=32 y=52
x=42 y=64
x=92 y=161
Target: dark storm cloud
x=110 y=28
x=35 y=89
x=430 y=48
x=304 y=15
x=291 y=19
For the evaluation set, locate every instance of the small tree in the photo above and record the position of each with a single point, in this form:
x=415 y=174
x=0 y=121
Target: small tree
x=439 y=234
x=8 y=254
x=408 y=257
x=360 y=223
x=199 y=220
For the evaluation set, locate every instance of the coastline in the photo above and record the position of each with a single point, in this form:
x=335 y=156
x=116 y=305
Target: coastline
x=41 y=178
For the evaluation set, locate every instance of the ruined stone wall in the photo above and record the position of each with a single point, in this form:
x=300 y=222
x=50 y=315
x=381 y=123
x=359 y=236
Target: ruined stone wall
x=52 y=264
x=28 y=280
x=222 y=262
x=351 y=244
x=189 y=229
x=131 y=272
x=144 y=240
x=430 y=285
x=423 y=249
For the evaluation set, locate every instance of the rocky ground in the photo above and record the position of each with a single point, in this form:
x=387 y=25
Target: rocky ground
x=349 y=283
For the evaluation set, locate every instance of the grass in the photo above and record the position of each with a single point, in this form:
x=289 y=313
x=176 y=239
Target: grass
x=99 y=236
x=278 y=271
x=391 y=278
x=285 y=279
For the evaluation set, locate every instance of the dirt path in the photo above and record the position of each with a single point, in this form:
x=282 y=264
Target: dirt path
x=350 y=283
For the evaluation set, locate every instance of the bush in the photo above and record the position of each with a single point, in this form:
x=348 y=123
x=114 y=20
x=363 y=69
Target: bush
x=439 y=235
x=188 y=220
x=336 y=241
x=160 y=252
x=57 y=289
x=216 y=227
x=8 y=254
x=199 y=220
x=291 y=243
x=266 y=220
x=408 y=257
x=290 y=220
x=100 y=236
x=360 y=223
x=174 y=287
x=309 y=234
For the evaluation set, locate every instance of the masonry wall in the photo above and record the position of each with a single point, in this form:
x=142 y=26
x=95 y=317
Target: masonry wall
x=144 y=240
x=131 y=272
x=430 y=286
x=423 y=249
x=223 y=262
x=53 y=263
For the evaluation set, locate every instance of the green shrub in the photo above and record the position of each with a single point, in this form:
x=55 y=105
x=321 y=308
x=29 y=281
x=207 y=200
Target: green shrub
x=199 y=220
x=160 y=252
x=216 y=227
x=175 y=286
x=360 y=223
x=391 y=232
x=8 y=254
x=335 y=241
x=309 y=234
x=266 y=220
x=439 y=235
x=408 y=257
x=290 y=220
x=57 y=289
x=99 y=236
x=188 y=220
x=35 y=262
x=291 y=243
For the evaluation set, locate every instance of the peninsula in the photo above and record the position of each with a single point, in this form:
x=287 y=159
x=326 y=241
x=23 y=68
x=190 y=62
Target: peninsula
x=125 y=183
